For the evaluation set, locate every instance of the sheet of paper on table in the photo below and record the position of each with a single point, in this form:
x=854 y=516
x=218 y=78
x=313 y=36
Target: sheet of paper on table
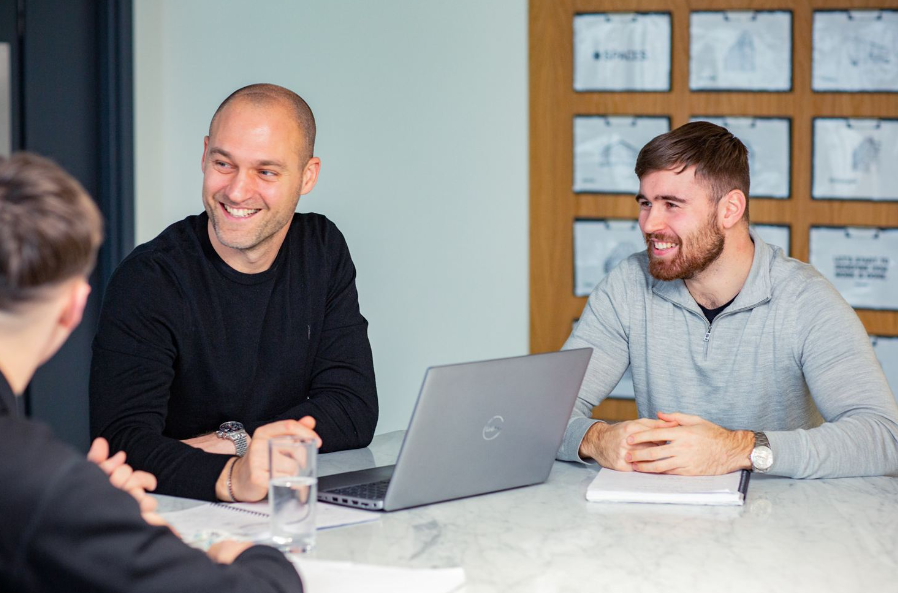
x=615 y=486
x=324 y=576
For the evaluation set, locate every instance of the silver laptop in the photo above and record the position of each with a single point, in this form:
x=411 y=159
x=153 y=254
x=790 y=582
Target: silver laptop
x=476 y=428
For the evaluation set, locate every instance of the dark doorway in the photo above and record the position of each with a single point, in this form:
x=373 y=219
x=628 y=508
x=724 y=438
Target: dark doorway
x=71 y=100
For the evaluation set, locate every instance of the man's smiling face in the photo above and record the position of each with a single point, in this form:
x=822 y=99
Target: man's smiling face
x=680 y=224
x=252 y=175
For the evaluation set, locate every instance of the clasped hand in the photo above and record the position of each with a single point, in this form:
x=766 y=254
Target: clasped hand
x=674 y=444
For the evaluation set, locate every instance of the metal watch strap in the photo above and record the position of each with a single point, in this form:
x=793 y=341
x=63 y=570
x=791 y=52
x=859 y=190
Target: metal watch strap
x=234 y=432
x=239 y=439
x=761 y=440
x=761 y=455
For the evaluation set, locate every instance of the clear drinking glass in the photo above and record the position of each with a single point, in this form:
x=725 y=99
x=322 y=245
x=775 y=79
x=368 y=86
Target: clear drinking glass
x=292 y=492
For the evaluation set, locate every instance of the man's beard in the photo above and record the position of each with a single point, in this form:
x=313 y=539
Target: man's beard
x=694 y=253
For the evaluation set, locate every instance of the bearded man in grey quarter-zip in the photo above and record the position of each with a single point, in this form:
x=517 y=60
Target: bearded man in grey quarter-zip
x=742 y=358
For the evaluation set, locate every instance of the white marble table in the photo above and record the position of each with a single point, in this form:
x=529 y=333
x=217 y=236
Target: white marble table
x=791 y=535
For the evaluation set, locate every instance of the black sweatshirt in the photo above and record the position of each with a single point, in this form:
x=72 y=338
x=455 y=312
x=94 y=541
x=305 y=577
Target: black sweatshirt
x=185 y=342
x=65 y=528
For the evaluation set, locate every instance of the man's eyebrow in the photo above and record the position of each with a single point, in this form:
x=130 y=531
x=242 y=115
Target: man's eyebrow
x=672 y=199
x=269 y=163
x=665 y=198
x=263 y=163
x=220 y=152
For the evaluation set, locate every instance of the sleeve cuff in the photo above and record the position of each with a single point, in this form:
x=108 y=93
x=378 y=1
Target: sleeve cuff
x=573 y=436
x=786 y=461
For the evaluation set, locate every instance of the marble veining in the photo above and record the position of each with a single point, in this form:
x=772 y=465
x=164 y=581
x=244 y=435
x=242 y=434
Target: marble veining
x=791 y=535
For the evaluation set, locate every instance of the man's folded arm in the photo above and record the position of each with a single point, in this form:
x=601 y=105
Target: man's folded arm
x=602 y=327
x=129 y=399
x=860 y=435
x=132 y=371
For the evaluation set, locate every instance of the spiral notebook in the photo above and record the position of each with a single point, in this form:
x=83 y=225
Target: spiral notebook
x=204 y=524
x=615 y=486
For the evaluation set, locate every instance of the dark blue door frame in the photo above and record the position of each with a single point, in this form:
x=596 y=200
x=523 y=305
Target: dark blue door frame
x=72 y=101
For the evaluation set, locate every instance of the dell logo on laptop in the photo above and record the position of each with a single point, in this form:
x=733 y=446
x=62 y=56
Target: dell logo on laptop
x=493 y=428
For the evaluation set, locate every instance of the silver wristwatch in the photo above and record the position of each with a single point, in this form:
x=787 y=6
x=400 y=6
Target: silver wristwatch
x=234 y=431
x=762 y=454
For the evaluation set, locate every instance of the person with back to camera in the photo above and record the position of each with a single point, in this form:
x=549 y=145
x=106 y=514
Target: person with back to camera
x=70 y=524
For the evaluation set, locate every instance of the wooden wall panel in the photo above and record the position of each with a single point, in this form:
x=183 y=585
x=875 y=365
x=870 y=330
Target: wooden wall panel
x=554 y=103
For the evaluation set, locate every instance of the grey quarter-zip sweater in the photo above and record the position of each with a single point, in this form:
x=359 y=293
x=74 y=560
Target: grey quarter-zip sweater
x=788 y=357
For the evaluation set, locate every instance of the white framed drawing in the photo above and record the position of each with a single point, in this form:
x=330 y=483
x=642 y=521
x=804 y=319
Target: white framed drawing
x=861 y=262
x=855 y=51
x=778 y=235
x=605 y=150
x=599 y=246
x=740 y=51
x=769 y=144
x=855 y=159
x=886 y=349
x=622 y=51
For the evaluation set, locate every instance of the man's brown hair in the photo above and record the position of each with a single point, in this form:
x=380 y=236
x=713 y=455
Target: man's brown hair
x=50 y=229
x=262 y=94
x=720 y=159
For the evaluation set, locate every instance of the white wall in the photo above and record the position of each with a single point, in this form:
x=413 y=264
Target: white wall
x=422 y=131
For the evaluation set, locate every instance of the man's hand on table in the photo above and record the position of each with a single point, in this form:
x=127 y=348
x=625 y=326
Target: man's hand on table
x=250 y=475
x=690 y=446
x=608 y=444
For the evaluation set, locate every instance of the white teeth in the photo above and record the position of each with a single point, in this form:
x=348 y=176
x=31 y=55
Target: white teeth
x=663 y=245
x=240 y=212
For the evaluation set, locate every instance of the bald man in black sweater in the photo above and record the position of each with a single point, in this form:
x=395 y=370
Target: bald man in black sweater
x=237 y=325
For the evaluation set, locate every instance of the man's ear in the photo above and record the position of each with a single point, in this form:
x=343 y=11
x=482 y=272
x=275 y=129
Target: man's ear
x=73 y=310
x=732 y=208
x=205 y=148
x=310 y=175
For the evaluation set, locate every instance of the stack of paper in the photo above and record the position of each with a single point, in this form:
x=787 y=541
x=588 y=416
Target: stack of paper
x=615 y=486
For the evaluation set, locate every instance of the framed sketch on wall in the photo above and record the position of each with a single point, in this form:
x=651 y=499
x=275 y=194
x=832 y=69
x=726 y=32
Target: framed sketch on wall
x=605 y=150
x=768 y=140
x=599 y=245
x=855 y=51
x=778 y=235
x=855 y=159
x=862 y=263
x=740 y=51
x=622 y=51
x=886 y=349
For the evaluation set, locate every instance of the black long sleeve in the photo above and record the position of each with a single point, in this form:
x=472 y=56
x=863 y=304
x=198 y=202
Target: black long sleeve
x=185 y=343
x=65 y=528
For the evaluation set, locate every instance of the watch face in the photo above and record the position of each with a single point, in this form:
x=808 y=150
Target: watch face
x=229 y=427
x=762 y=458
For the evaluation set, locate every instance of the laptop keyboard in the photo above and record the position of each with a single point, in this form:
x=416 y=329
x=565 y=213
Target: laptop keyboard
x=371 y=491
